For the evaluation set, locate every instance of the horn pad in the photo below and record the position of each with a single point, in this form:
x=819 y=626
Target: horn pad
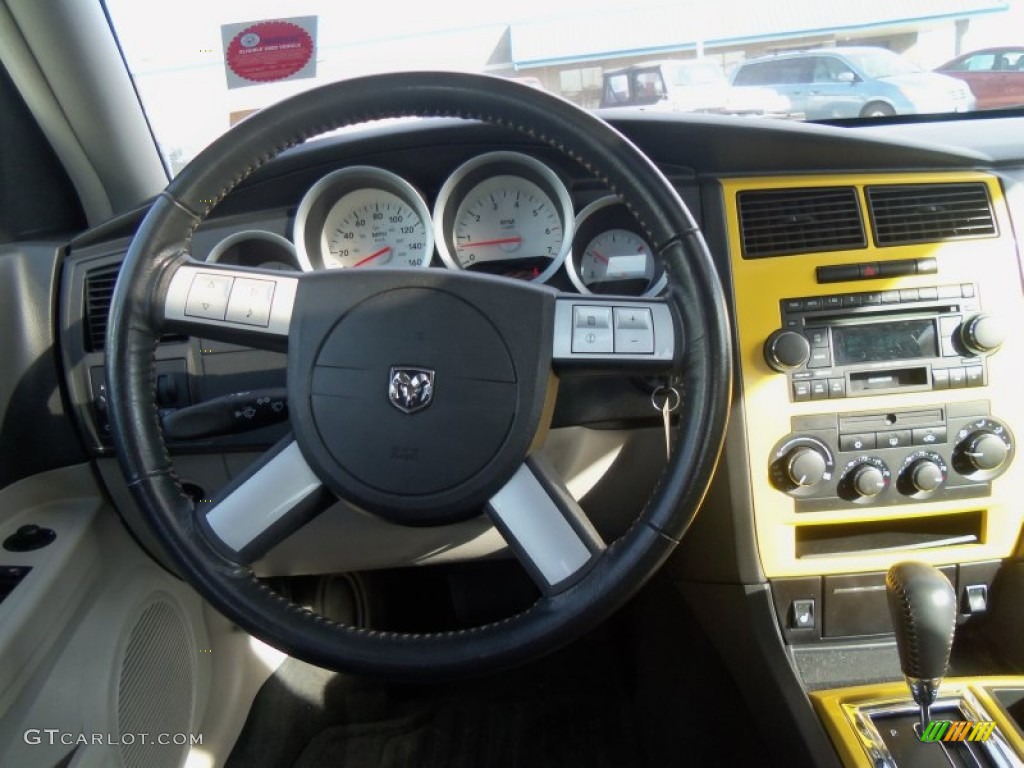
x=413 y=400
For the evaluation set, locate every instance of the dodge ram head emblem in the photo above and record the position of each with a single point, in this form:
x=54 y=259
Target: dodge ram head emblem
x=411 y=389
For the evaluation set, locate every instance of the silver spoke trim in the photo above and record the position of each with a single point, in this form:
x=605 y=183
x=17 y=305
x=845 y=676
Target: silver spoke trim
x=539 y=528
x=264 y=499
x=220 y=298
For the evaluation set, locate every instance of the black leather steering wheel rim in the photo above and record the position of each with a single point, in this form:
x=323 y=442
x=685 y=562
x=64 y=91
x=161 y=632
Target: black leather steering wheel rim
x=695 y=294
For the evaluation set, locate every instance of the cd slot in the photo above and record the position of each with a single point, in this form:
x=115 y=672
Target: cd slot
x=891 y=379
x=861 y=315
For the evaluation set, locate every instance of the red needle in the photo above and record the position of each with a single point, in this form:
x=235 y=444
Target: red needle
x=598 y=256
x=372 y=256
x=502 y=241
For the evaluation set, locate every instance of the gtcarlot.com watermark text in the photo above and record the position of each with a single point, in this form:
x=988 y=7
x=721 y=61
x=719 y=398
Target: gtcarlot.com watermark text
x=52 y=736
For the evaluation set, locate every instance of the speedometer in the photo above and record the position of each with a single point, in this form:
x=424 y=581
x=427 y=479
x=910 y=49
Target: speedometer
x=363 y=216
x=507 y=214
x=374 y=227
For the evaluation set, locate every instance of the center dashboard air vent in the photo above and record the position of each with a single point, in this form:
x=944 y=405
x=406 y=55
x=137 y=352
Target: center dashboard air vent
x=778 y=222
x=99 y=288
x=928 y=213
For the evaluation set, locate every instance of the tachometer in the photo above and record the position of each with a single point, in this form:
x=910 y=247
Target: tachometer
x=361 y=217
x=504 y=213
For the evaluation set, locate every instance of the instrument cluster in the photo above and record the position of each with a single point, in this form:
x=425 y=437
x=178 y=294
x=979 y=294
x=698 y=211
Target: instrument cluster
x=502 y=213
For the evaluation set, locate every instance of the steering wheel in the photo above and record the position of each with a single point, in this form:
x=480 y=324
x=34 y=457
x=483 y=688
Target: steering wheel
x=392 y=373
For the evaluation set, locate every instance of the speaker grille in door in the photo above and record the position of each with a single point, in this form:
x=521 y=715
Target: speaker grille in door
x=157 y=688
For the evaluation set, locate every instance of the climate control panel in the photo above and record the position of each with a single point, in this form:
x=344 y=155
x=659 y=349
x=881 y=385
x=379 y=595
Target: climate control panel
x=841 y=461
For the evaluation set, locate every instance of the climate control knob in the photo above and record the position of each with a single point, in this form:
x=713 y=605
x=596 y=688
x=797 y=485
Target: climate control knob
x=868 y=481
x=786 y=350
x=982 y=334
x=805 y=467
x=922 y=475
x=864 y=479
x=801 y=466
x=926 y=476
x=984 y=450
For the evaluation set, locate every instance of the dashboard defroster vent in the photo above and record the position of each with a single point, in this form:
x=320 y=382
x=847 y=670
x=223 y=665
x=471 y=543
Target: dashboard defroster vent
x=777 y=222
x=927 y=213
x=99 y=287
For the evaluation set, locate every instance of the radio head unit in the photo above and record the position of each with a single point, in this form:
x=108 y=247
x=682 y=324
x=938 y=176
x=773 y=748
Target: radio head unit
x=879 y=342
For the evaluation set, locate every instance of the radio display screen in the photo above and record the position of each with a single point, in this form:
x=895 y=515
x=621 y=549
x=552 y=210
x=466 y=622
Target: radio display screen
x=880 y=342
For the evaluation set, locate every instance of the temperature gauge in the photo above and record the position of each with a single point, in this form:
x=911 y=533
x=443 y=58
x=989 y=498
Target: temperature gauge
x=609 y=256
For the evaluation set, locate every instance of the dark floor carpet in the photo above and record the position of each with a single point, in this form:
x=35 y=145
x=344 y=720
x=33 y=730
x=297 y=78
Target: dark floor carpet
x=574 y=708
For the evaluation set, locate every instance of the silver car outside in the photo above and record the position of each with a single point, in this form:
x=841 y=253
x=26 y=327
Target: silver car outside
x=854 y=82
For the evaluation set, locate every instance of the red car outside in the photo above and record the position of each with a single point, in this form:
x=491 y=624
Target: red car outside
x=995 y=75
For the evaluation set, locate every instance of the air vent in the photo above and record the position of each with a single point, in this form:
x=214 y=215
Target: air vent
x=776 y=222
x=99 y=287
x=930 y=213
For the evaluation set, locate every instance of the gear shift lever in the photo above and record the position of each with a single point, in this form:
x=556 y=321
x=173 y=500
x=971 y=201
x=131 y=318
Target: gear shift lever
x=923 y=609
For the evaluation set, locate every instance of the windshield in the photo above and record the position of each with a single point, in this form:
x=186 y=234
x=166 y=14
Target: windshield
x=200 y=66
x=881 y=63
x=697 y=73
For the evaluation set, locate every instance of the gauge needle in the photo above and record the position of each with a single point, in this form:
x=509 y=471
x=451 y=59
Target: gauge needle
x=502 y=241
x=372 y=256
x=598 y=256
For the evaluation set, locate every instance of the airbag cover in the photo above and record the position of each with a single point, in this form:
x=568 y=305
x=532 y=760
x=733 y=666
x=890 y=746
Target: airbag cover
x=468 y=415
x=417 y=454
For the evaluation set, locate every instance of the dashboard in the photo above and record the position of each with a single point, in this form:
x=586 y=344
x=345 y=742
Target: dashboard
x=503 y=212
x=874 y=282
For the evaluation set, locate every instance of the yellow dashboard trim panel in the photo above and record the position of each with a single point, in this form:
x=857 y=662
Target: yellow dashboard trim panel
x=759 y=285
x=834 y=708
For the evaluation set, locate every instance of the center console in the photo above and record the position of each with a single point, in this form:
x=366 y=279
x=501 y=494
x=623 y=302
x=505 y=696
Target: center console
x=879 y=360
x=879 y=382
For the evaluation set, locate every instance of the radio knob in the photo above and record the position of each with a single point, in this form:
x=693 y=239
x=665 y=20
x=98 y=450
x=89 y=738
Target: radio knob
x=805 y=466
x=786 y=350
x=867 y=481
x=985 y=451
x=982 y=334
x=925 y=476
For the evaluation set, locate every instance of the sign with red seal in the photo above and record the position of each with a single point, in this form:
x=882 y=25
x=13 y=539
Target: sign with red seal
x=269 y=51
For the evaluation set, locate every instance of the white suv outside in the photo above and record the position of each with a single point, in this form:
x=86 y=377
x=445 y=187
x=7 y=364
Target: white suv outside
x=854 y=82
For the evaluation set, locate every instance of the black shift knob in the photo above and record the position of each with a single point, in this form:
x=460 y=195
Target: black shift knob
x=923 y=608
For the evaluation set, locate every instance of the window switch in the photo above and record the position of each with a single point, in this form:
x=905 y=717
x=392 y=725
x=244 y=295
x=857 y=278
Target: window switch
x=801 y=614
x=975 y=599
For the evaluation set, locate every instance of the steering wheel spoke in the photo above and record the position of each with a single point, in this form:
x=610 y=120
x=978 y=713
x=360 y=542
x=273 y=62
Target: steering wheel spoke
x=594 y=334
x=545 y=527
x=243 y=306
x=271 y=500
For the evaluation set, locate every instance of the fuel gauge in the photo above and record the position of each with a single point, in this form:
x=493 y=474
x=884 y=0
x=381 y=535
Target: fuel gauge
x=609 y=256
